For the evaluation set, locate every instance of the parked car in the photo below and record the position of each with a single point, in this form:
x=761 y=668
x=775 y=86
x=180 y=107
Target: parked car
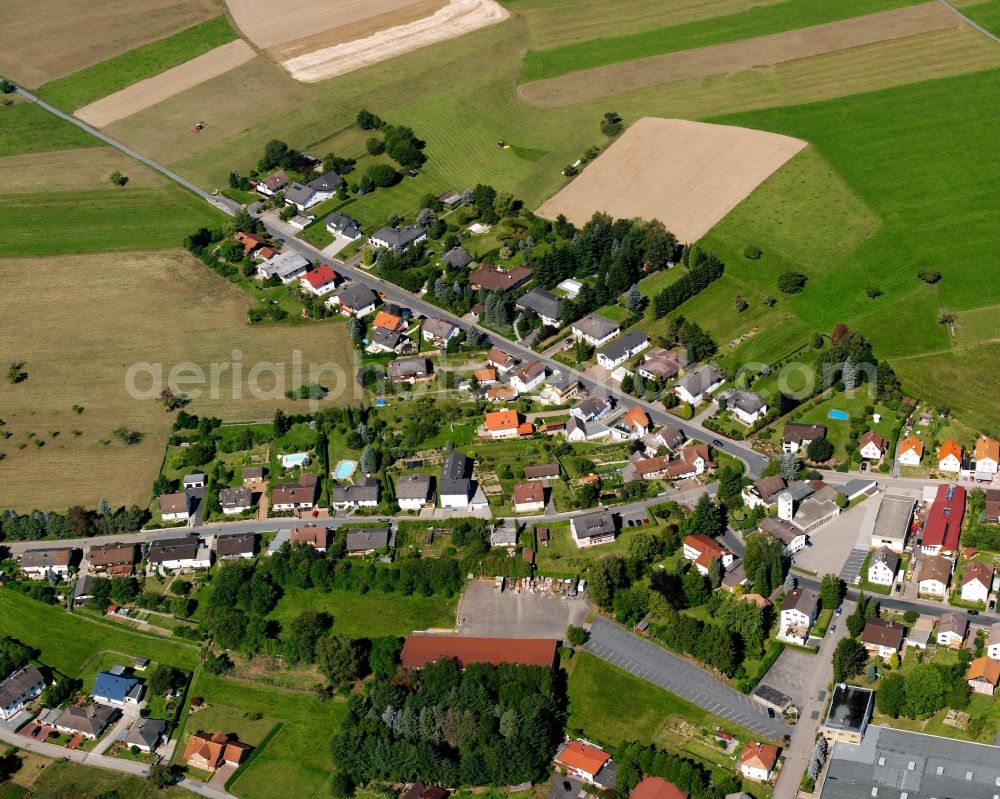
x=839 y=610
x=973 y=612
x=567 y=786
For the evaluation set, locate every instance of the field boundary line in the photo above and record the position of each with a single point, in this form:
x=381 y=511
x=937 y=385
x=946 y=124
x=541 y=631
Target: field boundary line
x=972 y=23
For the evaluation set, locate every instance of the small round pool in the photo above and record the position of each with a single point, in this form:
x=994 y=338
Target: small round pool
x=840 y=416
x=345 y=469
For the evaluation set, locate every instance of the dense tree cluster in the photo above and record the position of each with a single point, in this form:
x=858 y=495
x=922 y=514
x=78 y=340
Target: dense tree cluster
x=488 y=725
x=77 y=521
x=764 y=561
x=13 y=655
x=925 y=689
x=706 y=269
x=617 y=251
x=636 y=761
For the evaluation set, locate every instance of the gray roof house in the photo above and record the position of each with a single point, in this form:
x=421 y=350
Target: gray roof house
x=544 y=303
x=456 y=474
x=327 y=183
x=593 y=528
x=357 y=299
x=146 y=734
x=286 y=266
x=362 y=494
x=235 y=500
x=343 y=225
x=366 y=540
x=413 y=490
x=697 y=384
x=595 y=329
x=619 y=351
x=235 y=545
x=301 y=196
x=89 y=721
x=406 y=369
x=456 y=258
x=439 y=331
x=398 y=238
x=22 y=686
x=593 y=407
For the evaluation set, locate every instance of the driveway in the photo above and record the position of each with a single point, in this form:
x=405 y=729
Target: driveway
x=117 y=732
x=792 y=674
x=483 y=612
x=221 y=776
x=652 y=663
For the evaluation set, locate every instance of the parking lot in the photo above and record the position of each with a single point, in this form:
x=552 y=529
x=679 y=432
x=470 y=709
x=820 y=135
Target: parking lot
x=483 y=612
x=792 y=675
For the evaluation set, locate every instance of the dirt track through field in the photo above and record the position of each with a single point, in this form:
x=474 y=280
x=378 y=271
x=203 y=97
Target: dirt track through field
x=689 y=175
x=454 y=19
x=733 y=57
x=146 y=93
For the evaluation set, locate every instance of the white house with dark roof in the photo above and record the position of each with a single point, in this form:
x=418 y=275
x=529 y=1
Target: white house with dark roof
x=342 y=225
x=592 y=529
x=595 y=330
x=413 y=491
x=620 y=350
x=438 y=331
x=746 y=406
x=883 y=566
x=395 y=238
x=326 y=185
x=544 y=303
x=235 y=500
x=23 y=685
x=272 y=184
x=592 y=408
x=799 y=609
x=698 y=384
x=301 y=196
x=798 y=437
x=528 y=377
x=175 y=507
x=355 y=300
x=363 y=494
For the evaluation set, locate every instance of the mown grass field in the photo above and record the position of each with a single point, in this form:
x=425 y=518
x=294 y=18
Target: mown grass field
x=985 y=12
x=67 y=642
x=918 y=191
x=296 y=755
x=757 y=21
x=107 y=77
x=370 y=615
x=610 y=706
x=102 y=220
x=85 y=320
x=26 y=128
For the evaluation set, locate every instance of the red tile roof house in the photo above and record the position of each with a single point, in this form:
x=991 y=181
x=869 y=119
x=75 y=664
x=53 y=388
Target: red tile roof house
x=419 y=650
x=703 y=550
x=872 y=446
x=294 y=496
x=582 y=760
x=311 y=535
x=493 y=278
x=943 y=527
x=758 y=761
x=211 y=751
x=656 y=788
x=528 y=497
x=321 y=280
x=250 y=242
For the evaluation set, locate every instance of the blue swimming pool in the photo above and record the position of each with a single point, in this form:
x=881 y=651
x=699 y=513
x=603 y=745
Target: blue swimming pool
x=345 y=469
x=840 y=416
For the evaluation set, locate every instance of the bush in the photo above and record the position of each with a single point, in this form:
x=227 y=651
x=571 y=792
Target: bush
x=791 y=282
x=752 y=253
x=383 y=175
x=929 y=275
x=910 y=616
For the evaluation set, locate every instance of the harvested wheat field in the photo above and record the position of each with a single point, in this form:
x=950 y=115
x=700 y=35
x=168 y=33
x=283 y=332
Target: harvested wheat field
x=146 y=93
x=83 y=321
x=456 y=18
x=43 y=41
x=734 y=57
x=689 y=175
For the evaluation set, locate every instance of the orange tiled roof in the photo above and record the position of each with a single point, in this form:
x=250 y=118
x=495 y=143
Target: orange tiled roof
x=985 y=668
x=525 y=429
x=501 y=420
x=987 y=448
x=758 y=755
x=638 y=418
x=912 y=444
x=585 y=757
x=387 y=320
x=949 y=447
